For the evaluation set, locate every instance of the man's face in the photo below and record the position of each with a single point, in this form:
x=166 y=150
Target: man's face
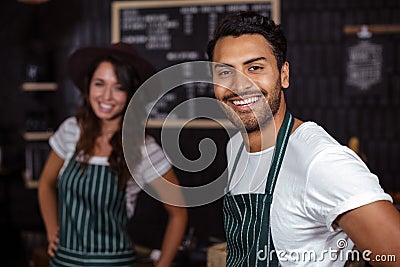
x=247 y=81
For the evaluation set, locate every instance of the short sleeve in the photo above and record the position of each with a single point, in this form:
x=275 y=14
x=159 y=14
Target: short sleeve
x=339 y=181
x=154 y=162
x=64 y=140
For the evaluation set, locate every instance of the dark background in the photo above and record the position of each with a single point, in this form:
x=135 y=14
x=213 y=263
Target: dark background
x=46 y=34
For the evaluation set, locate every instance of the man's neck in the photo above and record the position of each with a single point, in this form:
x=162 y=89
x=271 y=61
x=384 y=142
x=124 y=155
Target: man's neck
x=266 y=136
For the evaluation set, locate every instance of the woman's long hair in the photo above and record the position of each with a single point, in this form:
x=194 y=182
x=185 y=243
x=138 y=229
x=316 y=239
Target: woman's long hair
x=90 y=124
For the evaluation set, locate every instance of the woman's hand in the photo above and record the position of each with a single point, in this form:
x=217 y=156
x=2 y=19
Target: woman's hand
x=53 y=243
x=47 y=193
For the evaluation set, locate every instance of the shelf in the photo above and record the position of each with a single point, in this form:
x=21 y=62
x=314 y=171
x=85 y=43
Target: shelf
x=33 y=2
x=197 y=123
x=373 y=28
x=39 y=86
x=30 y=184
x=28 y=181
x=37 y=136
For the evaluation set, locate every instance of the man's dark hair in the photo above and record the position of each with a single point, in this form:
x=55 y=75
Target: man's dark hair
x=248 y=22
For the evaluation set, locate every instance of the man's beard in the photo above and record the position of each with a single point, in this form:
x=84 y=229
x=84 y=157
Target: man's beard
x=254 y=120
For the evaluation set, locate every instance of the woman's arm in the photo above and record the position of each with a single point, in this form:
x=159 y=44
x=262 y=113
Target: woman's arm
x=176 y=224
x=47 y=193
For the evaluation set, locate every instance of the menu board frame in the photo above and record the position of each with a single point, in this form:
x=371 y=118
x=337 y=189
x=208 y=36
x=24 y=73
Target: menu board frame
x=117 y=6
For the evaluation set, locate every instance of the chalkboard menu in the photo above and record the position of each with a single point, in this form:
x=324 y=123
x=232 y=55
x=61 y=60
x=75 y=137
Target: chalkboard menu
x=172 y=32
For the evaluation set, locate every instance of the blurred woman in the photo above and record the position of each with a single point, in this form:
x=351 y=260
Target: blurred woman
x=86 y=192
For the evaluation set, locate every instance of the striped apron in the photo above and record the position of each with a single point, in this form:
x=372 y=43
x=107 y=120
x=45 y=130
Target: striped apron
x=247 y=216
x=92 y=215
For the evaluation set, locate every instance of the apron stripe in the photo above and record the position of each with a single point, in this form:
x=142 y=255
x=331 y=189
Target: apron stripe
x=67 y=204
x=86 y=232
x=237 y=240
x=107 y=222
x=74 y=210
x=80 y=212
x=120 y=215
x=229 y=223
x=260 y=236
x=248 y=229
x=253 y=219
x=114 y=232
x=94 y=208
x=237 y=235
x=100 y=207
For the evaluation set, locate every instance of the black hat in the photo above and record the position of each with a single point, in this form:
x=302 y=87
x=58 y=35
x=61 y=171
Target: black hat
x=80 y=61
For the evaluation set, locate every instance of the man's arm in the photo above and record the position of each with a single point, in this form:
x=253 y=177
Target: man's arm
x=374 y=227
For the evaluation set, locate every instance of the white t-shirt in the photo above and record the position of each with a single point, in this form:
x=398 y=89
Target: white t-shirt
x=319 y=179
x=153 y=164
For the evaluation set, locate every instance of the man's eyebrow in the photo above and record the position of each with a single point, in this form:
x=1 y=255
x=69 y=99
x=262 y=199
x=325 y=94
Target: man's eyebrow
x=253 y=60
x=222 y=65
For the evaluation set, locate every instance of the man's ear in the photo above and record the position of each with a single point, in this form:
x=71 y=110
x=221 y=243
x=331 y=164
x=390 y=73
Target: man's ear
x=285 y=75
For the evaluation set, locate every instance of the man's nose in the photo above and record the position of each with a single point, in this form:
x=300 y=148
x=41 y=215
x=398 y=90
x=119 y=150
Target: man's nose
x=241 y=82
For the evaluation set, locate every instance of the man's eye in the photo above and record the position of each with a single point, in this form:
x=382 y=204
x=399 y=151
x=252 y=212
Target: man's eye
x=253 y=68
x=225 y=73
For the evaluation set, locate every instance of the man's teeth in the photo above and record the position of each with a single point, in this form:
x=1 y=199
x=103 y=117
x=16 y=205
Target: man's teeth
x=246 y=101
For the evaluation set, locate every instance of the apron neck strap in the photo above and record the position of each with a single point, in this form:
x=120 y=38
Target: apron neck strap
x=279 y=151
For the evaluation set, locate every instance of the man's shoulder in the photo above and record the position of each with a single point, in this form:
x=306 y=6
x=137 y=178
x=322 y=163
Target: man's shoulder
x=313 y=136
x=310 y=140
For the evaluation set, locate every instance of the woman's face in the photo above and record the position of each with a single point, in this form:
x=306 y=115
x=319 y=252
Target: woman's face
x=106 y=95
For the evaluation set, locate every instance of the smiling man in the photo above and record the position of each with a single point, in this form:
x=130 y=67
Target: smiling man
x=295 y=196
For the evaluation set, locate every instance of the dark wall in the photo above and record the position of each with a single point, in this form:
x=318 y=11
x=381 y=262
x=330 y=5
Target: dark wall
x=43 y=36
x=316 y=52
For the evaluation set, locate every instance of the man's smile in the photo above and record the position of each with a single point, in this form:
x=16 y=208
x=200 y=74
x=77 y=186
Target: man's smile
x=244 y=103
